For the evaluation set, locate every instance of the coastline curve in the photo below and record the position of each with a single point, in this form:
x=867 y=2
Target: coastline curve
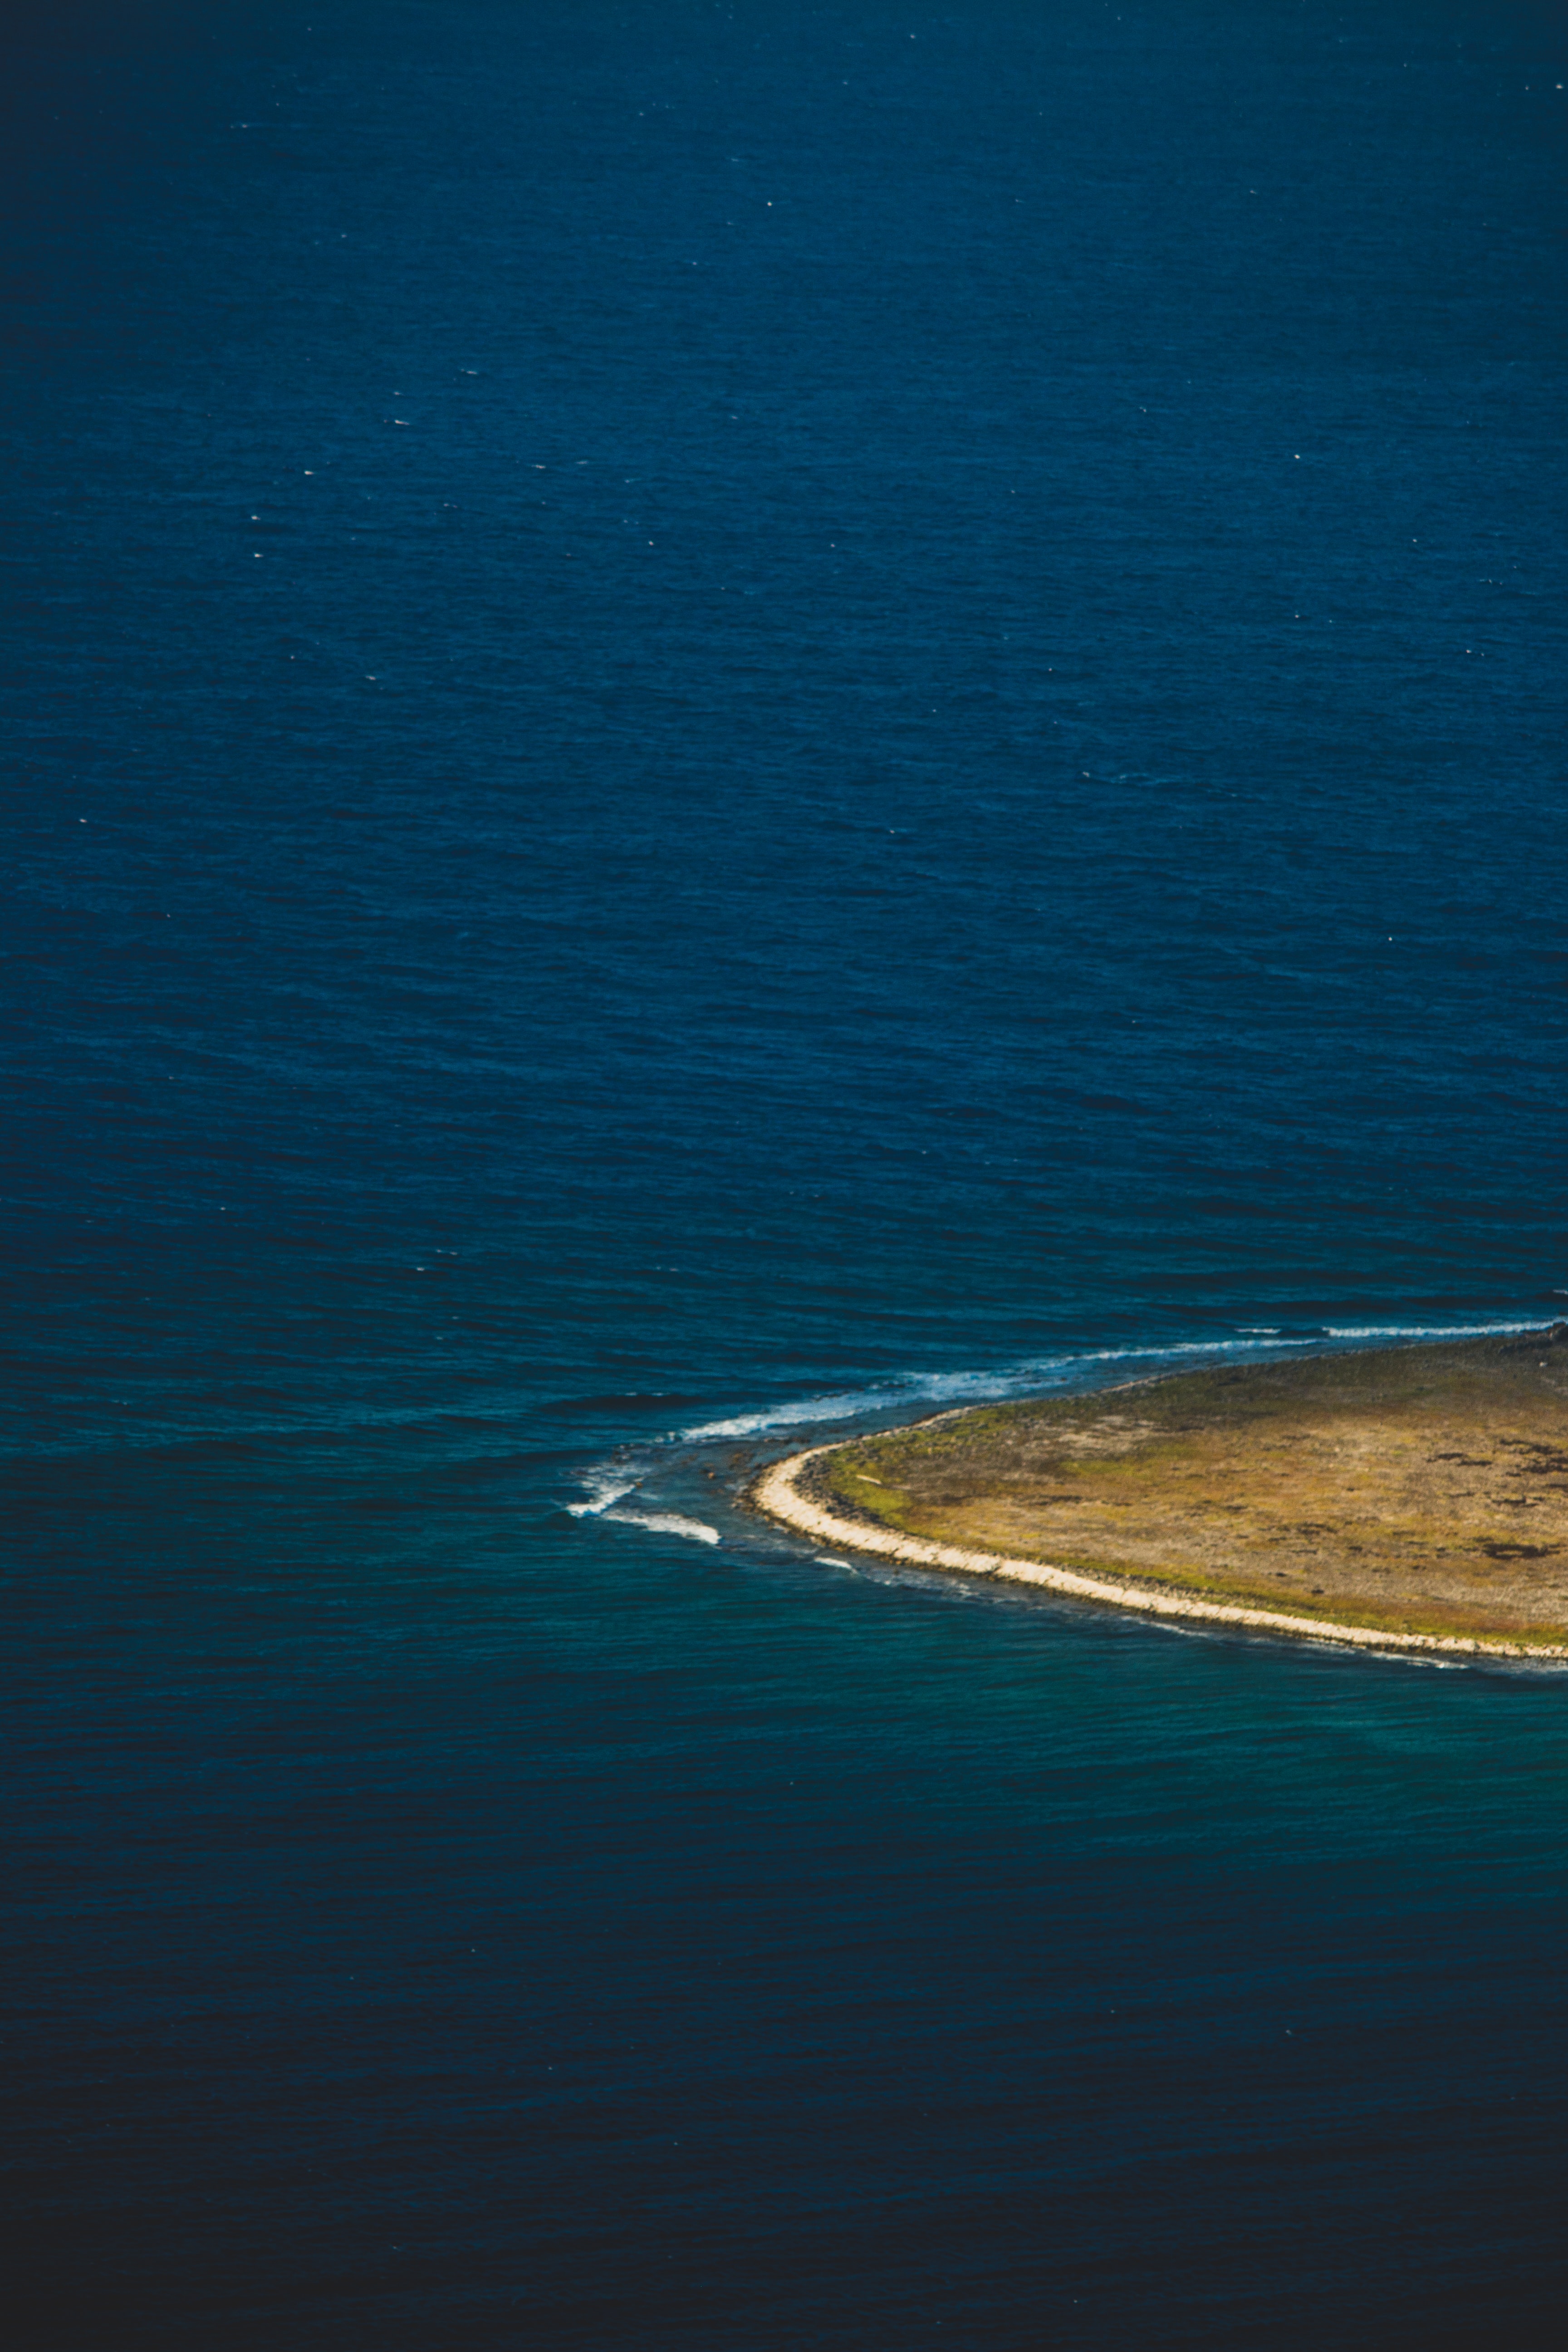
x=775 y=1494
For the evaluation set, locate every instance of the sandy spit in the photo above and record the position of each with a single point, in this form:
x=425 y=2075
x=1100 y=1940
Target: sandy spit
x=775 y=1494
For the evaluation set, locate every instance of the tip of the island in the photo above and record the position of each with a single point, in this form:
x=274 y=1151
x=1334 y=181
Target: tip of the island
x=1393 y=1499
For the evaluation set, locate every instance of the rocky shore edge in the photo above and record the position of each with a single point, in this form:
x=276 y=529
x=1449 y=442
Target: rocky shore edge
x=774 y=1492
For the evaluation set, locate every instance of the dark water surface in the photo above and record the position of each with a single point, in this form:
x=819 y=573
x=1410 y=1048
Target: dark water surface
x=724 y=718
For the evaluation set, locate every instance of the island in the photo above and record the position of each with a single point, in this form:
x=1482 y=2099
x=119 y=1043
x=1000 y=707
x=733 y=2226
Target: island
x=1411 y=1498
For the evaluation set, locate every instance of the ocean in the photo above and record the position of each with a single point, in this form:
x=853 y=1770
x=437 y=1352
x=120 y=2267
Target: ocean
x=961 y=794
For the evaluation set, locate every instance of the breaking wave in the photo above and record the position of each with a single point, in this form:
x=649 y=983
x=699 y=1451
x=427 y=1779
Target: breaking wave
x=608 y=1483
x=668 y=1523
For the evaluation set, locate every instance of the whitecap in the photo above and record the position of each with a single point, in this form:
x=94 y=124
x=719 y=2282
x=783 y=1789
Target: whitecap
x=785 y=1416
x=888 y=1396
x=606 y=1482
x=1419 y=1658
x=667 y=1522
x=959 y=1387
x=1427 y=1330
x=1055 y=1371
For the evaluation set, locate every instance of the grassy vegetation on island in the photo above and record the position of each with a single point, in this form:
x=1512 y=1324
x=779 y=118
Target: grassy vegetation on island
x=1420 y=1490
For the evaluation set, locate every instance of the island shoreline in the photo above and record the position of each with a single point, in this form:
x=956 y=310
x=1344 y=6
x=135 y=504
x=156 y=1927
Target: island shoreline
x=774 y=1494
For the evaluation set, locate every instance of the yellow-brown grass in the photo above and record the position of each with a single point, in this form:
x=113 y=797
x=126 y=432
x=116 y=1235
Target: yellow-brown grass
x=1415 y=1489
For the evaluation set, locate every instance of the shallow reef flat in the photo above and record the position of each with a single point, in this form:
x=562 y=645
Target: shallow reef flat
x=1409 y=1492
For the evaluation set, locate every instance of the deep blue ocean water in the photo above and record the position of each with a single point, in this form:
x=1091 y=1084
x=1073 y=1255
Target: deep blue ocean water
x=722 y=719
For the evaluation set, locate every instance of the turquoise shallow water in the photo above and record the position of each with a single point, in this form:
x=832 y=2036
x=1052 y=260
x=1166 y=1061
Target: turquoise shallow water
x=725 y=728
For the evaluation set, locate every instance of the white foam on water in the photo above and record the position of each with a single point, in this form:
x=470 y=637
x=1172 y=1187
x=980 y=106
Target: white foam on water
x=842 y=1407
x=1425 y=1330
x=607 y=1481
x=667 y=1523
x=956 y=1388
x=1417 y=1658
